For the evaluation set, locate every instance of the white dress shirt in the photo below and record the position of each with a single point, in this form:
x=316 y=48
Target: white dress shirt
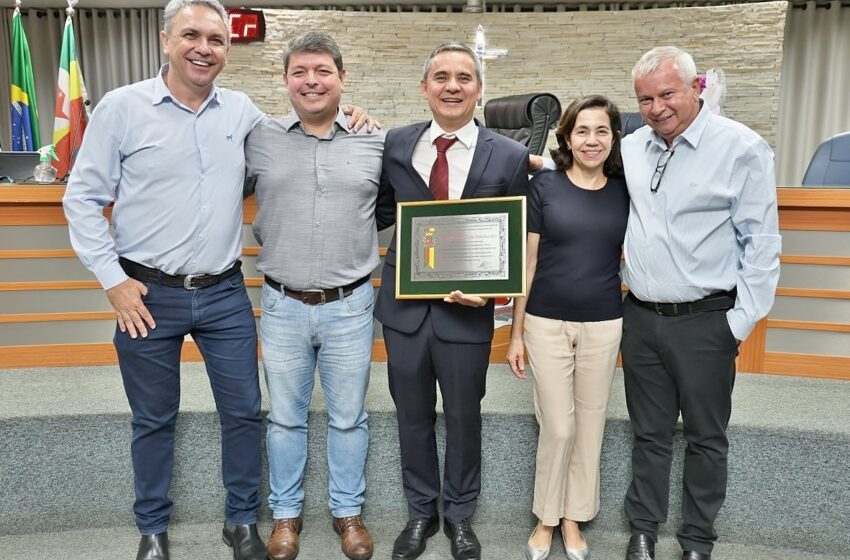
x=459 y=155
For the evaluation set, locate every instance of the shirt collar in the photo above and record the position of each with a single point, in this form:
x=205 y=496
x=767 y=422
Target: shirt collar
x=691 y=135
x=467 y=134
x=161 y=91
x=292 y=120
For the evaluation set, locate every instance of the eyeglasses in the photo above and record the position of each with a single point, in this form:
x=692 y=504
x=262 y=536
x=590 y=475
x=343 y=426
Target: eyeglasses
x=663 y=160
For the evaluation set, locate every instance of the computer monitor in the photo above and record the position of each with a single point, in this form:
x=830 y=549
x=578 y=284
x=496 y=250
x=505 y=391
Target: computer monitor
x=17 y=167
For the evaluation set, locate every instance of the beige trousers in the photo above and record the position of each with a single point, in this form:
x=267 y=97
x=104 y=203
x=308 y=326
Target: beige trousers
x=572 y=367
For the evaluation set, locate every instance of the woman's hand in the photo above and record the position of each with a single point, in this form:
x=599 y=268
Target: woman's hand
x=516 y=357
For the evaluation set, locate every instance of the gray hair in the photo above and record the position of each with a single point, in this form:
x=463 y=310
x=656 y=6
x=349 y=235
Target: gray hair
x=651 y=60
x=174 y=6
x=452 y=47
x=313 y=42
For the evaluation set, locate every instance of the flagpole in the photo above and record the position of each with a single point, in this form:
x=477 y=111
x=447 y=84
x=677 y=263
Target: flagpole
x=71 y=115
x=24 y=108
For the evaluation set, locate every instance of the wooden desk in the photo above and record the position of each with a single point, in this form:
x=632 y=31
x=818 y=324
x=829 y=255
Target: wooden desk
x=25 y=207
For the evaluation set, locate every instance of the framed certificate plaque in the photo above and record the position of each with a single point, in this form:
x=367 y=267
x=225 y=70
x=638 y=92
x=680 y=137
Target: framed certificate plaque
x=476 y=245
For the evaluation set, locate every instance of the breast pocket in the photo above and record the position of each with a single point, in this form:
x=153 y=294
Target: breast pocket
x=362 y=171
x=485 y=191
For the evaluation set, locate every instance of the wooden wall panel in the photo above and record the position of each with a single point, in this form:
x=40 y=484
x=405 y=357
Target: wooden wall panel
x=801 y=209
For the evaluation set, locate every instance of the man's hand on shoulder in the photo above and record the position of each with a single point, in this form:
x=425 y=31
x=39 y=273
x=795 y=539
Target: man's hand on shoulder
x=357 y=117
x=540 y=163
x=470 y=301
x=535 y=163
x=130 y=310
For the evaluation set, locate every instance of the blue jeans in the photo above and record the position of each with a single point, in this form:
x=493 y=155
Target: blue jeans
x=221 y=321
x=337 y=337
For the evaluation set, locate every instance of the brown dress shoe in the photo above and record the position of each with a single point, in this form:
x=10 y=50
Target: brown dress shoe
x=283 y=542
x=356 y=542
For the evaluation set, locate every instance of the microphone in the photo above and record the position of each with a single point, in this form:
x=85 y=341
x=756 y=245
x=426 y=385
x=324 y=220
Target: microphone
x=76 y=137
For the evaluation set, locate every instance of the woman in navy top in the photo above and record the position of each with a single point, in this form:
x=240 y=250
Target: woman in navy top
x=571 y=321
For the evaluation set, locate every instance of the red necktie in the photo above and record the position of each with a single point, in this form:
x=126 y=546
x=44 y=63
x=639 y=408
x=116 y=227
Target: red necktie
x=439 y=180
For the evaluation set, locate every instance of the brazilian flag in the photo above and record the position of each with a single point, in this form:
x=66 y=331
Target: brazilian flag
x=25 y=136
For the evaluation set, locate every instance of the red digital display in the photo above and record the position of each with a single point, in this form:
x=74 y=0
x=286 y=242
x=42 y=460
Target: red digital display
x=246 y=26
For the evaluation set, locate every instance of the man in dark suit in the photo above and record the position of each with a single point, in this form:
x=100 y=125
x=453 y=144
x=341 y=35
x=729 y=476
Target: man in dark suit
x=442 y=341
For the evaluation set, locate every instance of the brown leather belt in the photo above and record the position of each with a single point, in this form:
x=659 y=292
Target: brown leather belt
x=714 y=302
x=144 y=273
x=316 y=297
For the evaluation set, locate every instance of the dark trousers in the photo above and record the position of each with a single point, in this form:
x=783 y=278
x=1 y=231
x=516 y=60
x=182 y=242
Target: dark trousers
x=678 y=364
x=416 y=363
x=221 y=322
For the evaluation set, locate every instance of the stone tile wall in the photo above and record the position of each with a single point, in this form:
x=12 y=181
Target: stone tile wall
x=565 y=53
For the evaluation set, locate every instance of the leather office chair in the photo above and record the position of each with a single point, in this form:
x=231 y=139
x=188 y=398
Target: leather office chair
x=631 y=122
x=830 y=165
x=525 y=118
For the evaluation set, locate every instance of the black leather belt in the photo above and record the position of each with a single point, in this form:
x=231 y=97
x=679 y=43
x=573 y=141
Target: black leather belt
x=316 y=297
x=189 y=281
x=714 y=302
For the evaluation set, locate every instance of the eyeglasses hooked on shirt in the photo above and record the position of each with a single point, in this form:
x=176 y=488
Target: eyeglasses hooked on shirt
x=663 y=160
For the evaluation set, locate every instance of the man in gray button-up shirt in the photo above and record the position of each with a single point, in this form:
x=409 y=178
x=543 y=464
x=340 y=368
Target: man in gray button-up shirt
x=316 y=184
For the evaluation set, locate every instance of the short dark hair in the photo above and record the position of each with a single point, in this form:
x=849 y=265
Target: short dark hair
x=313 y=42
x=562 y=155
x=452 y=47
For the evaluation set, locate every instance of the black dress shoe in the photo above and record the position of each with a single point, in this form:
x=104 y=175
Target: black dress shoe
x=153 y=547
x=411 y=542
x=465 y=545
x=245 y=541
x=693 y=555
x=641 y=547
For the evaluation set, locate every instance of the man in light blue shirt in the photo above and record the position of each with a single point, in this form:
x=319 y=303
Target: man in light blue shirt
x=702 y=264
x=169 y=153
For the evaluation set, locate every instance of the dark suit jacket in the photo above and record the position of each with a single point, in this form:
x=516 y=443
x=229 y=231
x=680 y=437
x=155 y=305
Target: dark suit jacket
x=499 y=168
